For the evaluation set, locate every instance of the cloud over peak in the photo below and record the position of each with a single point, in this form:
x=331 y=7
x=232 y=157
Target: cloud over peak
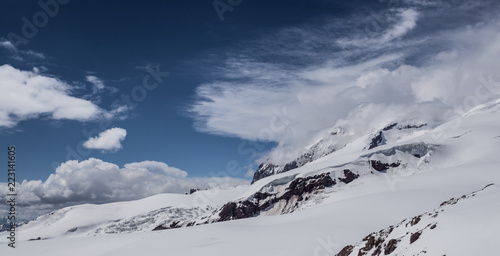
x=415 y=58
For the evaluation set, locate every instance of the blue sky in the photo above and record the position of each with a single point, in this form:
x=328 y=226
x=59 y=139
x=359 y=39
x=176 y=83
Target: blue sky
x=259 y=81
x=114 y=41
x=111 y=41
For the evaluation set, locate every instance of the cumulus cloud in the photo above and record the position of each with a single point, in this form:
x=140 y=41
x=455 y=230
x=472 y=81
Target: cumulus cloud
x=419 y=59
x=109 y=140
x=96 y=181
x=29 y=94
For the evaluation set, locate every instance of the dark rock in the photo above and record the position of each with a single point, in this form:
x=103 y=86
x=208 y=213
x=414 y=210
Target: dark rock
x=379 y=242
x=346 y=251
x=391 y=228
x=412 y=126
x=377 y=251
x=391 y=246
x=263 y=171
x=261 y=196
x=160 y=227
x=389 y=127
x=379 y=166
x=370 y=243
x=415 y=220
x=414 y=237
x=301 y=186
x=349 y=176
x=433 y=226
x=261 y=201
x=175 y=224
x=234 y=211
x=191 y=191
x=378 y=140
x=227 y=211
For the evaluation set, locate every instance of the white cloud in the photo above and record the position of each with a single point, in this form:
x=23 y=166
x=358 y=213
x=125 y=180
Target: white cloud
x=96 y=82
x=159 y=168
x=109 y=140
x=96 y=181
x=325 y=77
x=8 y=45
x=31 y=53
x=29 y=94
x=408 y=22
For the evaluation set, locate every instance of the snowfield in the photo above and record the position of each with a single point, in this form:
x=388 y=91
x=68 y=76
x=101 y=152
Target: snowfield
x=445 y=175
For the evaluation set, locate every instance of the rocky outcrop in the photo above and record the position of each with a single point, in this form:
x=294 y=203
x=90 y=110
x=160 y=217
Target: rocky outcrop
x=378 y=140
x=405 y=126
x=415 y=126
x=193 y=190
x=414 y=237
x=346 y=251
x=263 y=171
x=389 y=127
x=298 y=189
x=348 y=176
x=240 y=210
x=379 y=166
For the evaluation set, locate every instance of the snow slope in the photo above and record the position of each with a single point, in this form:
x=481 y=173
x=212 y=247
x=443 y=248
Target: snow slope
x=408 y=175
x=451 y=229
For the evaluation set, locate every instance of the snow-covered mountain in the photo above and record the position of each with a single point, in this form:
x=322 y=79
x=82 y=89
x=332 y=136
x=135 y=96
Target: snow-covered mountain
x=405 y=187
x=338 y=138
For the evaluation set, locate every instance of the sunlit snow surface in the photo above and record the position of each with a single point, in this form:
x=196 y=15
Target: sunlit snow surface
x=464 y=157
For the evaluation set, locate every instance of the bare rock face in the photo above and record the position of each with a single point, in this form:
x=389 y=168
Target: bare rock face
x=379 y=166
x=391 y=246
x=414 y=237
x=389 y=127
x=264 y=170
x=297 y=188
x=240 y=210
x=378 y=140
x=348 y=176
x=346 y=251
